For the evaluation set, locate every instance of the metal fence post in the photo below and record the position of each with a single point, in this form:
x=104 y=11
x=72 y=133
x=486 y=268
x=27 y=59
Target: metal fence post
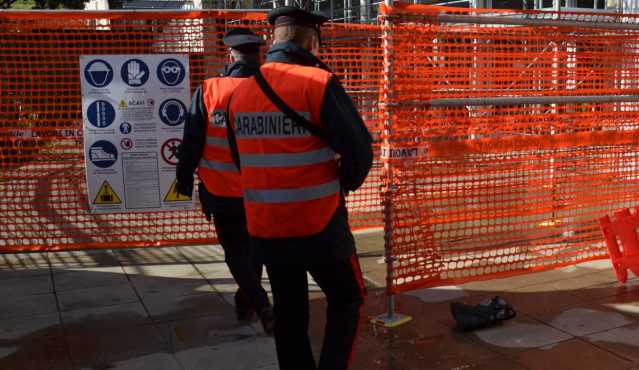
x=390 y=318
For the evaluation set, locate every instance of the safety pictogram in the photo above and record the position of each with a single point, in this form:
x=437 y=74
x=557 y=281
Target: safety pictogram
x=134 y=72
x=106 y=195
x=103 y=154
x=172 y=112
x=173 y=196
x=101 y=114
x=169 y=151
x=98 y=73
x=126 y=128
x=171 y=72
x=126 y=143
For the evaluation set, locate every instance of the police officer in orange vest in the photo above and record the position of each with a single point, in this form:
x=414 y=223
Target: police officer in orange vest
x=301 y=145
x=205 y=150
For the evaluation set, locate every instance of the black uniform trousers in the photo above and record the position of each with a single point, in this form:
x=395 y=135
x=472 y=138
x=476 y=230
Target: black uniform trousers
x=342 y=283
x=241 y=261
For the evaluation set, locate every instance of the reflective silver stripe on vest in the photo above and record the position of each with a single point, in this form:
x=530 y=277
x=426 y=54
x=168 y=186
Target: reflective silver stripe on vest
x=221 y=142
x=266 y=125
x=292 y=195
x=218 y=166
x=287 y=159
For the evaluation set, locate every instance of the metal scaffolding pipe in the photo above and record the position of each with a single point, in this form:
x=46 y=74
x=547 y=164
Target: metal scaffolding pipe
x=364 y=11
x=332 y=9
x=451 y=18
x=514 y=100
x=348 y=5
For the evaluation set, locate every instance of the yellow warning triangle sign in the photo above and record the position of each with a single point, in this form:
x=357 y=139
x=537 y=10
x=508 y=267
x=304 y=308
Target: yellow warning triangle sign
x=173 y=196
x=106 y=195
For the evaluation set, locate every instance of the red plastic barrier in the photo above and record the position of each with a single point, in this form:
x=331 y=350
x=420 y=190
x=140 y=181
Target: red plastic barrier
x=622 y=242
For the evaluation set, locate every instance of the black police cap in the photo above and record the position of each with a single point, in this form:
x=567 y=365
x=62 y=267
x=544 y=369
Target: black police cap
x=288 y=15
x=241 y=37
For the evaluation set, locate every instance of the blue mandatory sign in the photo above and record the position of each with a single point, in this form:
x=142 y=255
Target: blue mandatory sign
x=98 y=73
x=126 y=128
x=172 y=112
x=134 y=72
x=101 y=113
x=103 y=154
x=171 y=72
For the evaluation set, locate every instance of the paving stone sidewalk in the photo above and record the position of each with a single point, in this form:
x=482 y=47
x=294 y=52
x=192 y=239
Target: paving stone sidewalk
x=171 y=309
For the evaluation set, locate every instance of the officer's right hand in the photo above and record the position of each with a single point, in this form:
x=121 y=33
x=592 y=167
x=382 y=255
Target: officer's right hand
x=184 y=187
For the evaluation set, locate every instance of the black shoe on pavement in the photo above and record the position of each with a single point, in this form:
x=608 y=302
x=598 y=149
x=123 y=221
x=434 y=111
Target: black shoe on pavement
x=243 y=309
x=245 y=315
x=268 y=319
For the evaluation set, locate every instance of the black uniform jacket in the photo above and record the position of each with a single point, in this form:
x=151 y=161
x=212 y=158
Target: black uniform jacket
x=347 y=136
x=192 y=148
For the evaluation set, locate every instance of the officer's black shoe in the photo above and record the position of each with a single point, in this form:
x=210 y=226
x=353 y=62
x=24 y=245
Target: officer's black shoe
x=245 y=315
x=243 y=309
x=268 y=319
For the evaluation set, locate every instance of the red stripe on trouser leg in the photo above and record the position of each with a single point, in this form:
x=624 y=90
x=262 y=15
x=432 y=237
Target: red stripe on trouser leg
x=358 y=276
x=357 y=271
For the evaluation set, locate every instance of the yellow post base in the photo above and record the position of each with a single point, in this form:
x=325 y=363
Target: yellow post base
x=391 y=321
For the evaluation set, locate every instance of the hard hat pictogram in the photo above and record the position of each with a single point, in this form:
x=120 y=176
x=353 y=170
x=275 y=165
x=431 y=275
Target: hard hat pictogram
x=98 y=73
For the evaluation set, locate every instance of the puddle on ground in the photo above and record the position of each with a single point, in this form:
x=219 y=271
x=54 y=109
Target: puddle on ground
x=521 y=335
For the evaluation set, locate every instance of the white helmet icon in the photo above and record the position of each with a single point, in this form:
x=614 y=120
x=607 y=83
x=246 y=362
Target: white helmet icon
x=99 y=73
x=171 y=72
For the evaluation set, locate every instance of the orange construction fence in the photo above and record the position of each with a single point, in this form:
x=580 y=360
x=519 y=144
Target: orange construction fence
x=43 y=195
x=502 y=136
x=507 y=134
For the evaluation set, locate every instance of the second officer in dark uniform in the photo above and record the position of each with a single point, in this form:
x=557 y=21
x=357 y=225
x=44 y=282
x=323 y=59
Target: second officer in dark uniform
x=205 y=150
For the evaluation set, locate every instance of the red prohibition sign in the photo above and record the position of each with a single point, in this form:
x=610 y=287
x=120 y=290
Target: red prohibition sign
x=126 y=143
x=169 y=151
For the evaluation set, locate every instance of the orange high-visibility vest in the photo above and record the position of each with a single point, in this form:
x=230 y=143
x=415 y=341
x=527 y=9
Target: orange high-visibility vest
x=289 y=177
x=216 y=169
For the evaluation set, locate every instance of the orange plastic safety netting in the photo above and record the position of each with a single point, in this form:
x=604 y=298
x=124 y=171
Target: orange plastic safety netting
x=43 y=197
x=508 y=134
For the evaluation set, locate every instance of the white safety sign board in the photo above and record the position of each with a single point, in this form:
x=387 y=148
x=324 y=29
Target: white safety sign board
x=133 y=108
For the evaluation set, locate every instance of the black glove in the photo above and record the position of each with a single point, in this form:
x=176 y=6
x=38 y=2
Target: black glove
x=204 y=201
x=487 y=313
x=347 y=179
x=185 y=187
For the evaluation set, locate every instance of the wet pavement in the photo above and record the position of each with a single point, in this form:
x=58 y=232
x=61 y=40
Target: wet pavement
x=171 y=309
